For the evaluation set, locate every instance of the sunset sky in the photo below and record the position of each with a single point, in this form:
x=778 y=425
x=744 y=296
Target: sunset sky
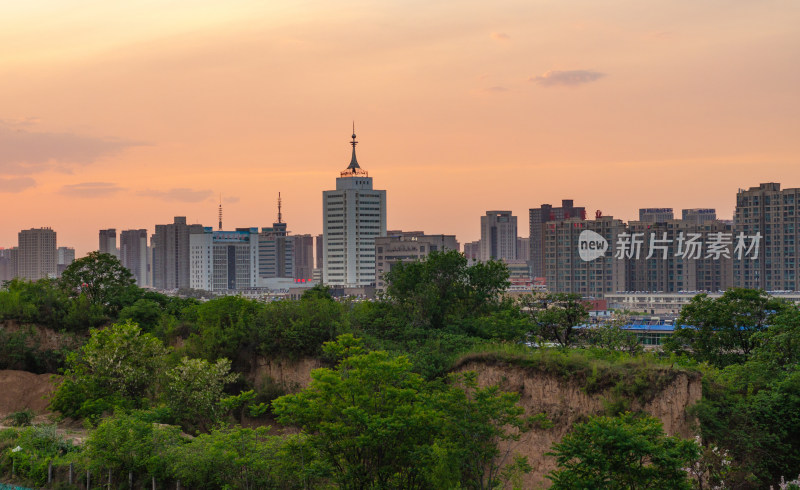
x=125 y=114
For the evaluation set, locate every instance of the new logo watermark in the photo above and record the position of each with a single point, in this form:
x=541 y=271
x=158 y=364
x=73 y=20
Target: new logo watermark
x=591 y=245
x=691 y=246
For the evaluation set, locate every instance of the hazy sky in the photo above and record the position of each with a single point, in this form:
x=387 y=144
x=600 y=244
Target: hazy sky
x=124 y=116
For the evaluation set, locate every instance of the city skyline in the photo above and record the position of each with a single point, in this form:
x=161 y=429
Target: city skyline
x=119 y=118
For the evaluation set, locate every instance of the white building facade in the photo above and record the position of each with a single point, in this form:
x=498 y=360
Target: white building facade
x=223 y=260
x=353 y=216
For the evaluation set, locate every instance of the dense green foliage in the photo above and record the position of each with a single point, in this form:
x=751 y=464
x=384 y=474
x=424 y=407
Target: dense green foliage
x=752 y=409
x=443 y=291
x=620 y=453
x=30 y=449
x=720 y=331
x=380 y=425
x=117 y=367
x=102 y=280
x=133 y=358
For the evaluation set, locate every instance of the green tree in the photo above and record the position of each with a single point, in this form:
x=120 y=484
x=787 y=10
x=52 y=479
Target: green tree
x=377 y=424
x=477 y=420
x=299 y=328
x=555 y=315
x=144 y=312
x=367 y=419
x=750 y=410
x=41 y=302
x=130 y=442
x=118 y=366
x=246 y=459
x=102 y=279
x=625 y=452
x=320 y=291
x=720 y=330
x=227 y=327
x=193 y=390
x=442 y=289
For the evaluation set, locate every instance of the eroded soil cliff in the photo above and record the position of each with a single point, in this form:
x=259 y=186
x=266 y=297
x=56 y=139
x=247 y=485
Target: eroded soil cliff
x=566 y=402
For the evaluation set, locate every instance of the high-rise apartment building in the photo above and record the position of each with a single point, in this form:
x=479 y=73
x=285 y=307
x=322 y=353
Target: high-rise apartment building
x=675 y=256
x=537 y=219
x=656 y=215
x=8 y=263
x=303 y=257
x=498 y=236
x=567 y=272
x=36 y=255
x=769 y=218
x=353 y=215
x=108 y=242
x=133 y=253
x=170 y=248
x=699 y=215
x=398 y=246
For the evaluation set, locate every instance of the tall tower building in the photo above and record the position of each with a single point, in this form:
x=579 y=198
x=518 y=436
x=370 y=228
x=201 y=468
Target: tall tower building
x=36 y=254
x=353 y=215
x=108 y=242
x=133 y=254
x=498 y=236
x=275 y=250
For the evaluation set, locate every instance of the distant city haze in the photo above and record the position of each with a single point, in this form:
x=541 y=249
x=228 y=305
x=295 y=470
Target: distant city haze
x=126 y=115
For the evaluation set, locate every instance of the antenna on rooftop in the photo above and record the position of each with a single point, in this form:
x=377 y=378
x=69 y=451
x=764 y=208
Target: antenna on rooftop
x=220 y=211
x=280 y=216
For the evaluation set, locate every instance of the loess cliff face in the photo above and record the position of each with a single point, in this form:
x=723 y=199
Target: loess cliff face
x=565 y=403
x=562 y=399
x=290 y=376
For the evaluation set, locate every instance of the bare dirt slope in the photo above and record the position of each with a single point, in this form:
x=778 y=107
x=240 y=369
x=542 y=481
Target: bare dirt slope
x=20 y=390
x=565 y=404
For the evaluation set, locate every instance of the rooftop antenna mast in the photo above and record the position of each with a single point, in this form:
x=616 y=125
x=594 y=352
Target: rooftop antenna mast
x=220 y=211
x=280 y=216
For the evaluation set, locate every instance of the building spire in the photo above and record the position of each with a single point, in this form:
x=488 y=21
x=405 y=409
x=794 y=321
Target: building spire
x=280 y=216
x=353 y=162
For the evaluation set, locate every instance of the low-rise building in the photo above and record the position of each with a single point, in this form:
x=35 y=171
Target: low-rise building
x=407 y=247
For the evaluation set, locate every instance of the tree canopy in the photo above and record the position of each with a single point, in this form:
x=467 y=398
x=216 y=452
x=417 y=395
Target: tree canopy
x=443 y=289
x=622 y=453
x=720 y=330
x=101 y=278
